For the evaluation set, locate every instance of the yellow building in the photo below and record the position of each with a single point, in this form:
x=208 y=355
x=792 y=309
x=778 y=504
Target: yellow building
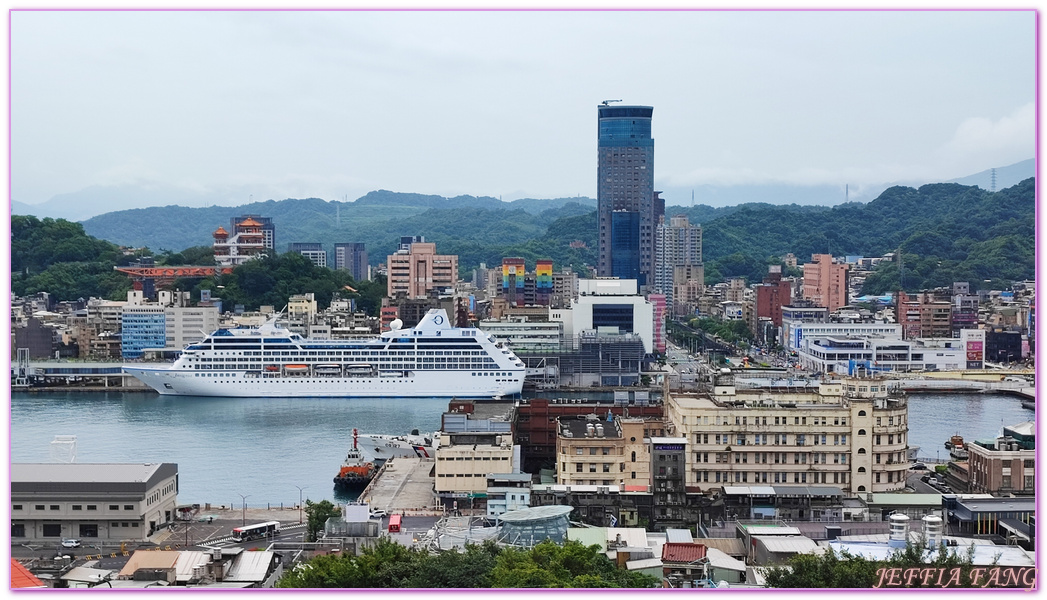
x=850 y=433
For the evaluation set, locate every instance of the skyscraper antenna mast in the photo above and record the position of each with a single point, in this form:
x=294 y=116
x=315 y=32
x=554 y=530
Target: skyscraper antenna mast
x=607 y=102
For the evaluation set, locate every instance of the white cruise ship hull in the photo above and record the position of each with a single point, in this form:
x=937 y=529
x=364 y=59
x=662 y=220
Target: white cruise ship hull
x=431 y=384
x=431 y=359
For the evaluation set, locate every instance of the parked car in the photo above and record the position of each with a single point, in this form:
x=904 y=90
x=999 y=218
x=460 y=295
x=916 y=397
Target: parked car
x=379 y=514
x=70 y=543
x=918 y=467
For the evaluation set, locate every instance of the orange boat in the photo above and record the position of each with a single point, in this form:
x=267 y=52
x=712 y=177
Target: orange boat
x=355 y=471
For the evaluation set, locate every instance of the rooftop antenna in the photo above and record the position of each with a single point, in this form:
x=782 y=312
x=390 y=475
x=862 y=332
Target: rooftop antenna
x=607 y=102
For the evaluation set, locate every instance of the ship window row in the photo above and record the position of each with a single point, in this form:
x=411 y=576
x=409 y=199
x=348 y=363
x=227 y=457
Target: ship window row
x=354 y=353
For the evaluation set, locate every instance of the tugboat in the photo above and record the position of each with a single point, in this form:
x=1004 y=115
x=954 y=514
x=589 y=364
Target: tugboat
x=956 y=448
x=355 y=472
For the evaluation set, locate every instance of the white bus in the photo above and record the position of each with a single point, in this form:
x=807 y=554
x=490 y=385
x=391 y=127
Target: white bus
x=258 y=530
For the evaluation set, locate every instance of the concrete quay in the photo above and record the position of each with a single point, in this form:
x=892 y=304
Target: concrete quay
x=404 y=485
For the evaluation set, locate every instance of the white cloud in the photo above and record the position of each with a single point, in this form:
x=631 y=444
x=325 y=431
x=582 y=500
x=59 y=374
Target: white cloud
x=977 y=139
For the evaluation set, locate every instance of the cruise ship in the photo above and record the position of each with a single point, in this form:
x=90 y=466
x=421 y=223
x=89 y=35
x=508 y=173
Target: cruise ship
x=432 y=359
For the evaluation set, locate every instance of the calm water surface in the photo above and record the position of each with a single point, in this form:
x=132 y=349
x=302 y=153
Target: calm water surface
x=263 y=448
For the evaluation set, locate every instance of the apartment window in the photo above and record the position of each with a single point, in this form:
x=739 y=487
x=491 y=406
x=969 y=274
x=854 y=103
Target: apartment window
x=877 y=440
x=54 y=507
x=129 y=507
x=633 y=456
x=38 y=506
x=92 y=507
x=607 y=467
x=634 y=474
x=16 y=507
x=578 y=468
x=592 y=467
x=592 y=451
x=578 y=451
x=78 y=507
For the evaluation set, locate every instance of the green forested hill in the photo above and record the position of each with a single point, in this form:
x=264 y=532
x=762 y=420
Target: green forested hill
x=946 y=232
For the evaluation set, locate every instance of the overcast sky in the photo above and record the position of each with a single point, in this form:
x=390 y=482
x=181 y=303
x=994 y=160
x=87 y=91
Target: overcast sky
x=336 y=104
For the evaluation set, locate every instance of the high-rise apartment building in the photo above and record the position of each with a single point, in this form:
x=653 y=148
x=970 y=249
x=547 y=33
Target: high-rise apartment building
x=678 y=243
x=628 y=208
x=351 y=257
x=314 y=251
x=825 y=282
x=418 y=269
x=772 y=295
x=923 y=316
x=514 y=272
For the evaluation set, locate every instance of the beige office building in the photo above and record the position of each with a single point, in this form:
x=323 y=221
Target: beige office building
x=416 y=270
x=464 y=460
x=850 y=433
x=591 y=451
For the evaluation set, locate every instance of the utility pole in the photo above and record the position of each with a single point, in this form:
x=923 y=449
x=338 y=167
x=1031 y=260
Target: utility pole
x=243 y=514
x=300 y=488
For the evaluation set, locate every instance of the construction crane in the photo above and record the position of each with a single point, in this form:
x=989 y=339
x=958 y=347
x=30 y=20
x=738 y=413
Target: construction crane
x=606 y=102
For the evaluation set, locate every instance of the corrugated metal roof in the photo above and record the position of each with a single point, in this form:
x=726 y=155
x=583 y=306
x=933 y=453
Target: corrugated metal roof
x=756 y=529
x=187 y=560
x=682 y=553
x=787 y=543
x=730 y=546
x=250 y=566
x=643 y=563
x=721 y=560
x=86 y=574
x=149 y=559
x=681 y=536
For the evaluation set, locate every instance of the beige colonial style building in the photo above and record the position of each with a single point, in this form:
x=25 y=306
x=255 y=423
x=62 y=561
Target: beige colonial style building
x=850 y=433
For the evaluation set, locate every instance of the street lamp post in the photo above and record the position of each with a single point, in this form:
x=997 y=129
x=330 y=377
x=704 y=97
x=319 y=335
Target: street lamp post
x=243 y=514
x=300 y=488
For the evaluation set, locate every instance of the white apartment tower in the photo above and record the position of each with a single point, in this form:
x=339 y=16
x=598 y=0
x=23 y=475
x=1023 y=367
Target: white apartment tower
x=676 y=244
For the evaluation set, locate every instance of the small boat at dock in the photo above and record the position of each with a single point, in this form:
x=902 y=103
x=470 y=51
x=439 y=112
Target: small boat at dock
x=356 y=472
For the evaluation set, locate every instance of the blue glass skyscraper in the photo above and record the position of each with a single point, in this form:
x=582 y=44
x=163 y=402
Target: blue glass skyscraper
x=628 y=208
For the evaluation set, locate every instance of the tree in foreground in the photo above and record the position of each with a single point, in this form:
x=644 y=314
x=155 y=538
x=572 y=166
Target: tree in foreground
x=907 y=566
x=388 y=564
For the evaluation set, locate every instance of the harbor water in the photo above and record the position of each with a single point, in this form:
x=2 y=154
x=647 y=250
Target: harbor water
x=264 y=448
